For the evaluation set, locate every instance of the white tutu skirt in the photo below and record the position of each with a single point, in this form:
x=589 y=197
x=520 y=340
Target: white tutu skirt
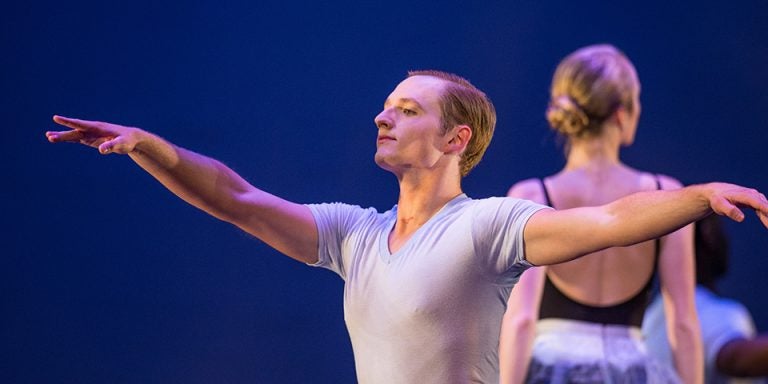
x=567 y=351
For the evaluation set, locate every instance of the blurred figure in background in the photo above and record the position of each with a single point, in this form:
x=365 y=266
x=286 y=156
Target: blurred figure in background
x=579 y=321
x=733 y=353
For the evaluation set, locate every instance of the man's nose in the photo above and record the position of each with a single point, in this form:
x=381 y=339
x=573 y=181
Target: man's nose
x=383 y=120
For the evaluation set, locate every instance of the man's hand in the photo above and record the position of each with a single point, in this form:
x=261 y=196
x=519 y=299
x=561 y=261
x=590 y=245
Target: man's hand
x=108 y=138
x=725 y=199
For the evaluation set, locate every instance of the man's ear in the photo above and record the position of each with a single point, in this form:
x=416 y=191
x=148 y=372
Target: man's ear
x=460 y=136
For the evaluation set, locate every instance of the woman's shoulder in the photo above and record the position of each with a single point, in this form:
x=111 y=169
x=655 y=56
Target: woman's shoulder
x=653 y=180
x=529 y=189
x=662 y=181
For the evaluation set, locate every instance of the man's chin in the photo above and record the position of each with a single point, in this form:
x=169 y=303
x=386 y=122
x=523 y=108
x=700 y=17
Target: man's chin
x=382 y=163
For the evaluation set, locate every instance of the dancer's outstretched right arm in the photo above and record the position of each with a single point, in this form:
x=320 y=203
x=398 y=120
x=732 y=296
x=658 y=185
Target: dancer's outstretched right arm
x=203 y=182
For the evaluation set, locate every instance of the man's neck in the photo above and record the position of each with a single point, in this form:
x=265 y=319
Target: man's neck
x=421 y=198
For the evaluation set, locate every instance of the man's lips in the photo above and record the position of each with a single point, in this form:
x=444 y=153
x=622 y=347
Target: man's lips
x=383 y=138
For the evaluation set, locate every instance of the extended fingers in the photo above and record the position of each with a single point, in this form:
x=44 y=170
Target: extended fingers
x=754 y=199
x=727 y=204
x=75 y=123
x=108 y=138
x=59 y=136
x=763 y=218
x=762 y=209
x=723 y=206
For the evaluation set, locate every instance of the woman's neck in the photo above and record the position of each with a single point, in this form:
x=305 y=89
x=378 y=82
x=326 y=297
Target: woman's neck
x=595 y=152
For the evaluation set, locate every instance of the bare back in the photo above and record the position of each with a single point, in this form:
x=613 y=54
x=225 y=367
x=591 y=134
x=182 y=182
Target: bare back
x=602 y=279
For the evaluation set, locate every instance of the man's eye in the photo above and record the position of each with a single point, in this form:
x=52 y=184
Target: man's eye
x=409 y=112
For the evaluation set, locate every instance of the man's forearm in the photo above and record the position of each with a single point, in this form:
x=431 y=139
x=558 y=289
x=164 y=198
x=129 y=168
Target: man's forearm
x=204 y=182
x=648 y=215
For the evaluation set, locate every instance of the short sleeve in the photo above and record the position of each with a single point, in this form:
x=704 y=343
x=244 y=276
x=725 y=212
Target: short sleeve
x=497 y=233
x=336 y=222
x=720 y=324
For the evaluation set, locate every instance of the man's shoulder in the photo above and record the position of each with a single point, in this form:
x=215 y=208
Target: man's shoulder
x=502 y=207
x=349 y=213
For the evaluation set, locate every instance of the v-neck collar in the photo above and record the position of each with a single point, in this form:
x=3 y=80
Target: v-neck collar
x=384 y=251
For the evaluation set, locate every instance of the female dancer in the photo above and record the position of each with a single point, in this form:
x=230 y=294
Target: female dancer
x=579 y=321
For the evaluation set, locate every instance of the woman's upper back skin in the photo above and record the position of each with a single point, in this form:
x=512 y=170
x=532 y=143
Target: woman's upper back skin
x=613 y=275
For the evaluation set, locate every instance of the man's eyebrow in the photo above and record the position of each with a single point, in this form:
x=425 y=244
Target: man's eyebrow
x=404 y=100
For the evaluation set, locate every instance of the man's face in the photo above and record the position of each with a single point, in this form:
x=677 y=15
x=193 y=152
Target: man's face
x=410 y=135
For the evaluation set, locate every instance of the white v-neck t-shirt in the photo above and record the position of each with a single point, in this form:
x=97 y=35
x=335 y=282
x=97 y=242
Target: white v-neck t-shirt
x=430 y=312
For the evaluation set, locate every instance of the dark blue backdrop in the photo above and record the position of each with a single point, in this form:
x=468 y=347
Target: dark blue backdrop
x=107 y=277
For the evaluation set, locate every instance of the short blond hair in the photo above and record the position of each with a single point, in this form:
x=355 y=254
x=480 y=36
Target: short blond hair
x=463 y=104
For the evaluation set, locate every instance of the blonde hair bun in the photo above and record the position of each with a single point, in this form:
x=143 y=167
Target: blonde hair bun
x=566 y=117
